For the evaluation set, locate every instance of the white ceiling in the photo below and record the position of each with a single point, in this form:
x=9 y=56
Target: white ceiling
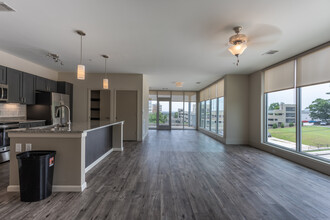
x=173 y=40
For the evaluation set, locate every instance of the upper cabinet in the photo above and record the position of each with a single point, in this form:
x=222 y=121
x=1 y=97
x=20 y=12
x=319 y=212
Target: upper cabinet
x=3 y=75
x=20 y=87
x=27 y=89
x=13 y=81
x=46 y=85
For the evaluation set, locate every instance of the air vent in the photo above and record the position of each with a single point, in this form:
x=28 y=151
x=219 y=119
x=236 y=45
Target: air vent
x=270 y=52
x=4 y=7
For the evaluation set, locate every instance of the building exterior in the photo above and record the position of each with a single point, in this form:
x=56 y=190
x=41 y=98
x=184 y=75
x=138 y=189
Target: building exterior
x=286 y=114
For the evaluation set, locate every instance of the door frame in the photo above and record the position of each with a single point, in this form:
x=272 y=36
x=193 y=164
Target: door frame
x=164 y=127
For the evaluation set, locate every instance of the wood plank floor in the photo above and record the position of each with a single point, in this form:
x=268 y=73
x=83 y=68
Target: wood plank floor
x=183 y=175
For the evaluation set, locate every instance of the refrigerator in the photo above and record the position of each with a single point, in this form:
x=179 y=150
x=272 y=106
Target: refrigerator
x=45 y=108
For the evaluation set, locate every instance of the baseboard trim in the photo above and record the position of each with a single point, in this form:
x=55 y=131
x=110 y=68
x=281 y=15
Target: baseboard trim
x=118 y=149
x=98 y=160
x=56 y=188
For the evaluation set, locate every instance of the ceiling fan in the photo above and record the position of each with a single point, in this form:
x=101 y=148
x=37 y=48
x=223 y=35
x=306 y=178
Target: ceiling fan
x=262 y=36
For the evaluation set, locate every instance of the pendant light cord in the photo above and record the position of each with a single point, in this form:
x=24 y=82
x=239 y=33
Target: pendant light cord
x=80 y=49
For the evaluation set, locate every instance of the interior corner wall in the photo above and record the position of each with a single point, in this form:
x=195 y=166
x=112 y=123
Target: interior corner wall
x=145 y=110
x=17 y=63
x=255 y=127
x=133 y=82
x=236 y=109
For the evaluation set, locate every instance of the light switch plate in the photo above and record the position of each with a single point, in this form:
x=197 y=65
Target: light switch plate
x=18 y=147
x=28 y=147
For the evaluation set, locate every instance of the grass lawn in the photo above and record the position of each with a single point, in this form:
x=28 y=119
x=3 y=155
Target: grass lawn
x=311 y=135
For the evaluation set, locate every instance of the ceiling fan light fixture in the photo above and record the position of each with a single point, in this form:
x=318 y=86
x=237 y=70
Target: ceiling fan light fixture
x=237 y=49
x=238 y=42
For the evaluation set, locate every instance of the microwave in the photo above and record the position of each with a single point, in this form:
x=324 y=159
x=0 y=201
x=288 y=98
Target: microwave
x=3 y=93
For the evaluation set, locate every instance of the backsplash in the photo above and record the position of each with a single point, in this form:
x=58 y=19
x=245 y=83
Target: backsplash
x=12 y=110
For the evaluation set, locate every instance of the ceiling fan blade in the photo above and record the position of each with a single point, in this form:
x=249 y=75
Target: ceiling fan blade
x=264 y=35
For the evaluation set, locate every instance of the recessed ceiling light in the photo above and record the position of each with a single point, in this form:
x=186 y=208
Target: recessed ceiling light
x=179 y=84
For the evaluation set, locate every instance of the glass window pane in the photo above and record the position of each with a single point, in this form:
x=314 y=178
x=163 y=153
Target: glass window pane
x=177 y=110
x=164 y=113
x=208 y=114
x=315 y=117
x=202 y=114
x=214 y=116
x=152 y=114
x=281 y=120
x=220 y=115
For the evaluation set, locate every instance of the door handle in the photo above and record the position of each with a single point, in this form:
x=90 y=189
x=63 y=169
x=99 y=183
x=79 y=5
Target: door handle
x=2 y=91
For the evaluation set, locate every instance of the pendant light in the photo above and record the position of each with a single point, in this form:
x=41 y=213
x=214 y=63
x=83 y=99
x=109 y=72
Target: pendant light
x=81 y=68
x=105 y=80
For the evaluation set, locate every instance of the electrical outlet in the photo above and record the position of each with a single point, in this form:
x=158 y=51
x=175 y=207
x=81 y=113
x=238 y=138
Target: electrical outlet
x=28 y=147
x=18 y=147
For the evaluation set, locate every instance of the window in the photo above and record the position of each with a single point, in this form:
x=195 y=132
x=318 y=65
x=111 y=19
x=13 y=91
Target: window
x=315 y=117
x=207 y=114
x=152 y=109
x=220 y=115
x=306 y=80
x=177 y=113
x=190 y=110
x=281 y=130
x=214 y=115
x=202 y=114
x=290 y=109
x=290 y=115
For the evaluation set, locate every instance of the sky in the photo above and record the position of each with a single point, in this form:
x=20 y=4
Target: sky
x=309 y=94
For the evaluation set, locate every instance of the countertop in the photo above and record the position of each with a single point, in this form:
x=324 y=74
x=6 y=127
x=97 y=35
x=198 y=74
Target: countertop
x=76 y=127
x=21 y=121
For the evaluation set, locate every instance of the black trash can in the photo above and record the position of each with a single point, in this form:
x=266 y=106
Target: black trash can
x=36 y=169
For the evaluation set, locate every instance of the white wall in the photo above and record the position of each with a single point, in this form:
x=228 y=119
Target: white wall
x=94 y=81
x=145 y=110
x=14 y=62
x=236 y=109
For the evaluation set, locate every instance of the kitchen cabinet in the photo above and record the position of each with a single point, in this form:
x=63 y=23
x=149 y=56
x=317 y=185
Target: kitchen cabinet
x=20 y=87
x=27 y=93
x=66 y=88
x=3 y=75
x=13 y=81
x=45 y=85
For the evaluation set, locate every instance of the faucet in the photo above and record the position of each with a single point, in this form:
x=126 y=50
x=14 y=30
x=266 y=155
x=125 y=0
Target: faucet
x=57 y=113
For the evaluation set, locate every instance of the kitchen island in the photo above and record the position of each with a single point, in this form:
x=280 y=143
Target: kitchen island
x=77 y=150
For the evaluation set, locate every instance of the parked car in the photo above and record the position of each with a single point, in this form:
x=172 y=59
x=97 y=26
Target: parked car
x=323 y=123
x=269 y=135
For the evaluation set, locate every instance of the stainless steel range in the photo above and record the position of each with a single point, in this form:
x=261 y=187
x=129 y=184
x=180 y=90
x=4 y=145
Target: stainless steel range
x=4 y=139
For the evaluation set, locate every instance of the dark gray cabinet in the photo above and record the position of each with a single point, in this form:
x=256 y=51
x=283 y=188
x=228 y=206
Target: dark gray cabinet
x=3 y=75
x=13 y=81
x=27 y=93
x=20 y=87
x=45 y=85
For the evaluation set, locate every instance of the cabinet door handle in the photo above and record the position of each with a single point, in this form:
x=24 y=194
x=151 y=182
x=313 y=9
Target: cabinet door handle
x=2 y=91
